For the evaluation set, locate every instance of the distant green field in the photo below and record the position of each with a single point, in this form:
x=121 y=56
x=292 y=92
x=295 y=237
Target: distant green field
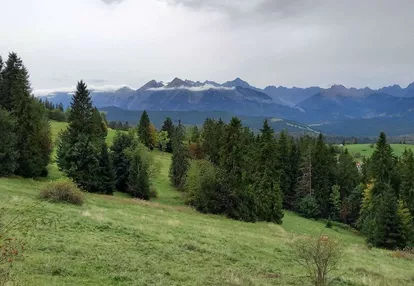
x=116 y=240
x=366 y=150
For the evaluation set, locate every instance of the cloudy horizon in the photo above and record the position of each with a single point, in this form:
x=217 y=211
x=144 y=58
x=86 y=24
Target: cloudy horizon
x=265 y=42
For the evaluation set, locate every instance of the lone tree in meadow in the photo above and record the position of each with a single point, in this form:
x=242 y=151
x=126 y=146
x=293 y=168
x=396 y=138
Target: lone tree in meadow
x=81 y=147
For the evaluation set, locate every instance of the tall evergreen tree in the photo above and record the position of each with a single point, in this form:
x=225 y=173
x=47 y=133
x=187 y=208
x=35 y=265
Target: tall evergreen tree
x=80 y=146
x=290 y=197
x=266 y=188
x=407 y=179
x=32 y=127
x=138 y=177
x=121 y=162
x=180 y=158
x=348 y=174
x=81 y=113
x=284 y=167
x=106 y=172
x=233 y=162
x=12 y=81
x=8 y=151
x=323 y=161
x=169 y=127
x=212 y=135
x=382 y=160
x=389 y=229
x=144 y=132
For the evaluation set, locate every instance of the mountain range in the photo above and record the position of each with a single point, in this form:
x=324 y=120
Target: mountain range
x=315 y=106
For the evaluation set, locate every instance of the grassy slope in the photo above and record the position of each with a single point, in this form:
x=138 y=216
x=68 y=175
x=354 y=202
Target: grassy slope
x=121 y=241
x=367 y=151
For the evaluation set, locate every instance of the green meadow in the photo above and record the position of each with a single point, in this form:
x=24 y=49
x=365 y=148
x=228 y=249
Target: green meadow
x=116 y=240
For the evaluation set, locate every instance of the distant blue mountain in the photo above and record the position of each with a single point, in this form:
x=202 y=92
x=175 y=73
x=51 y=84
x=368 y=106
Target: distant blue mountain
x=312 y=105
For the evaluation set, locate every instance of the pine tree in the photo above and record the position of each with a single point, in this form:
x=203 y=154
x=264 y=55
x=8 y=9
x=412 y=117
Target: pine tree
x=8 y=151
x=32 y=127
x=283 y=165
x=121 y=162
x=407 y=179
x=144 y=130
x=80 y=146
x=382 y=160
x=11 y=81
x=289 y=199
x=169 y=127
x=138 y=178
x=106 y=172
x=324 y=163
x=212 y=134
x=180 y=158
x=266 y=189
x=348 y=174
x=81 y=113
x=389 y=229
x=233 y=163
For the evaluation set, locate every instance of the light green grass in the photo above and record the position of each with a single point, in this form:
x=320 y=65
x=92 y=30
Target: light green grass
x=366 y=150
x=122 y=241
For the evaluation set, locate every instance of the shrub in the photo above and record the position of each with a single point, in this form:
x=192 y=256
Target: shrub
x=357 y=155
x=64 y=191
x=318 y=256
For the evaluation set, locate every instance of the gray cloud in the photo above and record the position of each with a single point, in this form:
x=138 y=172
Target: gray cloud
x=111 y=1
x=251 y=8
x=266 y=42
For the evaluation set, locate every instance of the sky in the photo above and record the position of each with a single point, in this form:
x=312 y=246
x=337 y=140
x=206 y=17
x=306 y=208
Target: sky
x=265 y=42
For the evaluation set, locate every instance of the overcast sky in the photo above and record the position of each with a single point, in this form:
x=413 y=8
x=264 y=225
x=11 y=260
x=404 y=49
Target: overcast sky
x=266 y=42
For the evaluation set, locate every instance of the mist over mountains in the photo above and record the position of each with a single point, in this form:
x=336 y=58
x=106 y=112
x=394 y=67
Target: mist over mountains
x=326 y=109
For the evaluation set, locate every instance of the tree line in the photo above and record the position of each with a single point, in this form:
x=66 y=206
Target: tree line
x=225 y=168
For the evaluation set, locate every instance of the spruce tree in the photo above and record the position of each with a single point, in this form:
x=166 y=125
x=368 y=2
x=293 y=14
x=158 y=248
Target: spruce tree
x=138 y=177
x=169 y=127
x=8 y=151
x=348 y=174
x=324 y=163
x=407 y=179
x=32 y=126
x=81 y=113
x=233 y=163
x=121 y=162
x=106 y=172
x=80 y=146
x=211 y=135
x=266 y=188
x=389 y=229
x=144 y=130
x=180 y=158
x=283 y=165
x=12 y=81
x=382 y=160
x=289 y=199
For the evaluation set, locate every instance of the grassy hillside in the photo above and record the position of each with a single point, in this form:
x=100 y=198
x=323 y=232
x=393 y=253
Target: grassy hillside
x=366 y=150
x=121 y=241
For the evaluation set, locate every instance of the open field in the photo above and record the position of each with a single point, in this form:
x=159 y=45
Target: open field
x=366 y=150
x=122 y=241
